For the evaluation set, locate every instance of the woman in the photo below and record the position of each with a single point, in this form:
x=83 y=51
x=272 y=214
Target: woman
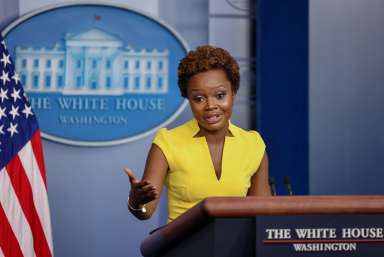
x=207 y=156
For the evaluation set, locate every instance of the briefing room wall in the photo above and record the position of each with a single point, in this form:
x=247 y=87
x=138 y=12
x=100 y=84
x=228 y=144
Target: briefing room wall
x=346 y=121
x=9 y=10
x=87 y=188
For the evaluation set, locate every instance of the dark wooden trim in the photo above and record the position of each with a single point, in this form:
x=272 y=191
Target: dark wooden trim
x=218 y=207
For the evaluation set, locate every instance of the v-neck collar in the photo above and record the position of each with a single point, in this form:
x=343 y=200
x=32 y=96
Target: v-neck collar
x=194 y=129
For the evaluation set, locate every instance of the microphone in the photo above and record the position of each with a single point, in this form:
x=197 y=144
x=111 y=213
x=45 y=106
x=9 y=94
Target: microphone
x=288 y=185
x=272 y=185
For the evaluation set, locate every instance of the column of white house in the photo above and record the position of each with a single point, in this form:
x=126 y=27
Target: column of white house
x=100 y=71
x=62 y=71
x=165 y=71
x=161 y=72
x=87 y=67
x=46 y=69
x=101 y=58
x=33 y=73
x=152 y=73
x=25 y=64
x=145 y=71
x=105 y=72
x=141 y=71
x=68 y=67
x=22 y=66
x=109 y=67
x=39 y=69
x=56 y=69
x=47 y=73
x=147 y=78
x=82 y=72
x=53 y=69
x=72 y=69
x=76 y=66
x=43 y=69
x=123 y=65
x=37 y=82
x=59 y=68
x=135 y=68
x=131 y=70
x=155 y=72
x=117 y=71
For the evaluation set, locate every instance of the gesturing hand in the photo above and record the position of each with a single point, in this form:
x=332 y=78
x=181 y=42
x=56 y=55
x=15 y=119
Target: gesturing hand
x=141 y=192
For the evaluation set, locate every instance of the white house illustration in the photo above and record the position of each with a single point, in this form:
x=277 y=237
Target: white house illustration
x=92 y=63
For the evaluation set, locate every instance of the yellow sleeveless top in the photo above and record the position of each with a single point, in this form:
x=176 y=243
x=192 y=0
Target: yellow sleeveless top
x=191 y=176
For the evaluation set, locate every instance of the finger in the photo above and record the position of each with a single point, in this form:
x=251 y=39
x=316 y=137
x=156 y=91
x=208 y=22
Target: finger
x=146 y=189
x=150 y=196
x=131 y=176
x=143 y=183
x=144 y=192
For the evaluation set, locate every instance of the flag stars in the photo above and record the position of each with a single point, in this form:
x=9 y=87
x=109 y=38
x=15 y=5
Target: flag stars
x=2 y=113
x=4 y=77
x=14 y=112
x=3 y=43
x=12 y=129
x=27 y=111
x=16 y=94
x=5 y=60
x=1 y=130
x=16 y=78
x=3 y=94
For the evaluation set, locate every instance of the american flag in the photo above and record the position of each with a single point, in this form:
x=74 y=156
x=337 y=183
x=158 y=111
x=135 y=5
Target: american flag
x=25 y=224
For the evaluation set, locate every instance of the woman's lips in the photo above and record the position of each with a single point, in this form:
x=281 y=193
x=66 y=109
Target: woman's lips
x=214 y=118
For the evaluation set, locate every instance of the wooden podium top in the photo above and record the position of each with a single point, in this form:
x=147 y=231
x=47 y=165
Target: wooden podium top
x=216 y=207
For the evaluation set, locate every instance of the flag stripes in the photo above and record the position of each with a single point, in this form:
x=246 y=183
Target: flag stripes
x=1 y=253
x=18 y=233
x=39 y=192
x=8 y=242
x=22 y=187
x=27 y=202
x=38 y=152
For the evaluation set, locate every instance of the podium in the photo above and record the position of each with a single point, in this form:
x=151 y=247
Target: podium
x=274 y=226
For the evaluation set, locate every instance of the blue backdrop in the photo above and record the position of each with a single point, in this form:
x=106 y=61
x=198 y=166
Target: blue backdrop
x=282 y=88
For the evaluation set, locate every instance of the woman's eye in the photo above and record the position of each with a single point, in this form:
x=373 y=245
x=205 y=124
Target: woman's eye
x=198 y=99
x=221 y=95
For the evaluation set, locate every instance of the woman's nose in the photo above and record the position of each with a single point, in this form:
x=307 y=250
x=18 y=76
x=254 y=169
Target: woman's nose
x=211 y=103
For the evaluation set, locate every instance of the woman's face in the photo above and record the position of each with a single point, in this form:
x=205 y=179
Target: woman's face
x=211 y=99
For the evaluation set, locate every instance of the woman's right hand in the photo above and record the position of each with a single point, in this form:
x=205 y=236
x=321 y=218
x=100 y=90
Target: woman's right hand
x=142 y=192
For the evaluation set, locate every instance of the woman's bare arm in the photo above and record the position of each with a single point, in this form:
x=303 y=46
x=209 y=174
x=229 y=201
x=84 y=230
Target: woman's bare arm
x=259 y=181
x=148 y=190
